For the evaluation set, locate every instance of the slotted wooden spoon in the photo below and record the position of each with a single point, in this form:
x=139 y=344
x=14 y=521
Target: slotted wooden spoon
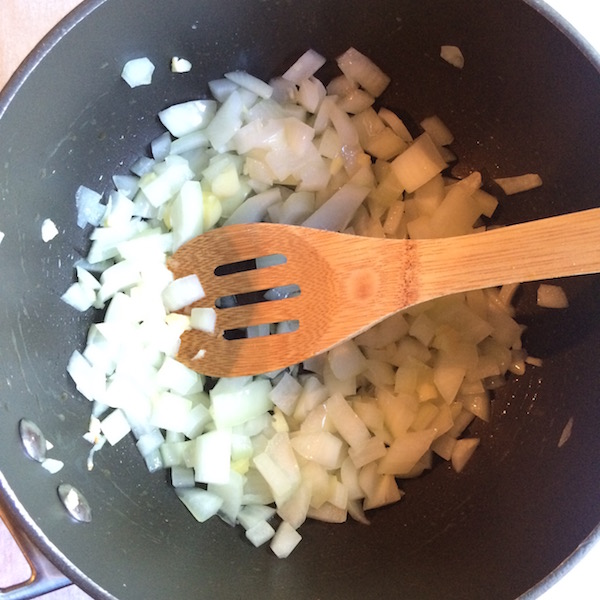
x=348 y=283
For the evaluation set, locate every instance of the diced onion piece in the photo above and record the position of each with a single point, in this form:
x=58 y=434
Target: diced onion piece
x=226 y=122
x=346 y=421
x=519 y=183
x=286 y=393
x=222 y=88
x=371 y=450
x=1 y=236
x=255 y=208
x=380 y=490
x=115 y=426
x=356 y=101
x=336 y=213
x=161 y=187
x=395 y=123
x=170 y=411
x=187 y=213
x=182 y=292
x=419 y=163
x=232 y=492
x=251 y=83
x=252 y=514
x=453 y=56
x=551 y=296
x=212 y=457
x=328 y=513
x=202 y=504
x=79 y=296
x=236 y=405
x=311 y=93
x=462 y=452
x=305 y=66
x=204 y=319
x=161 y=146
x=260 y=533
x=52 y=465
x=186 y=117
x=438 y=130
x=49 y=230
x=286 y=538
x=138 y=71
x=359 y=68
x=180 y=65
x=149 y=442
x=89 y=207
x=534 y=361
x=346 y=360
x=405 y=451
x=321 y=447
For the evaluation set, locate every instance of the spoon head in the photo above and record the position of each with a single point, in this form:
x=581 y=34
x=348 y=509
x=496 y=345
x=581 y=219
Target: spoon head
x=272 y=292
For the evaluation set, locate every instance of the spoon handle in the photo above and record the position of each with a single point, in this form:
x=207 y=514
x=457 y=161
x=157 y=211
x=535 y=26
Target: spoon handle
x=548 y=248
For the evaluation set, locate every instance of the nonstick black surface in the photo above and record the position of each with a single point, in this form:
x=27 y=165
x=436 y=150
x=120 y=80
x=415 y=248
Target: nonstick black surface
x=528 y=100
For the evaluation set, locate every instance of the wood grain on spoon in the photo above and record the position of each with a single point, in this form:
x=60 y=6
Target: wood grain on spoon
x=348 y=283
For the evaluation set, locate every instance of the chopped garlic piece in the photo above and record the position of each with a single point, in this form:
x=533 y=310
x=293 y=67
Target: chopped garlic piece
x=180 y=65
x=453 y=56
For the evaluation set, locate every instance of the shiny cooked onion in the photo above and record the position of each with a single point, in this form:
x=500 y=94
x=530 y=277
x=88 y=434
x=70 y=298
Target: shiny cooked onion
x=336 y=435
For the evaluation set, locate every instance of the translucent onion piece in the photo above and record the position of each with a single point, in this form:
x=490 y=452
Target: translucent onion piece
x=138 y=71
x=453 y=56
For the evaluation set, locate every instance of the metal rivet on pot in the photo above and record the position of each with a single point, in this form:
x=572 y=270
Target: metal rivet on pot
x=75 y=502
x=33 y=440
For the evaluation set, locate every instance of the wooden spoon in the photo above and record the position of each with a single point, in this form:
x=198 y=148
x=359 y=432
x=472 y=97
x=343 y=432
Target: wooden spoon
x=348 y=283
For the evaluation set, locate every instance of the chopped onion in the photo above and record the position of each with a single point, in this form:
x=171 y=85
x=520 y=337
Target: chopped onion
x=138 y=71
x=286 y=538
x=519 y=183
x=328 y=440
x=204 y=319
x=551 y=296
x=89 y=207
x=462 y=452
x=337 y=212
x=260 y=533
x=251 y=83
x=358 y=67
x=115 y=426
x=304 y=67
x=420 y=163
x=52 y=465
x=49 y=230
x=187 y=117
x=182 y=292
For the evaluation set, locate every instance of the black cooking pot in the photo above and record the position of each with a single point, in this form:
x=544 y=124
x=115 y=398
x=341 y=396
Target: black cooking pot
x=527 y=100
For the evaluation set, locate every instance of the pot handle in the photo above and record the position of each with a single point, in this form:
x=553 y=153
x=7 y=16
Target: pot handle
x=45 y=577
